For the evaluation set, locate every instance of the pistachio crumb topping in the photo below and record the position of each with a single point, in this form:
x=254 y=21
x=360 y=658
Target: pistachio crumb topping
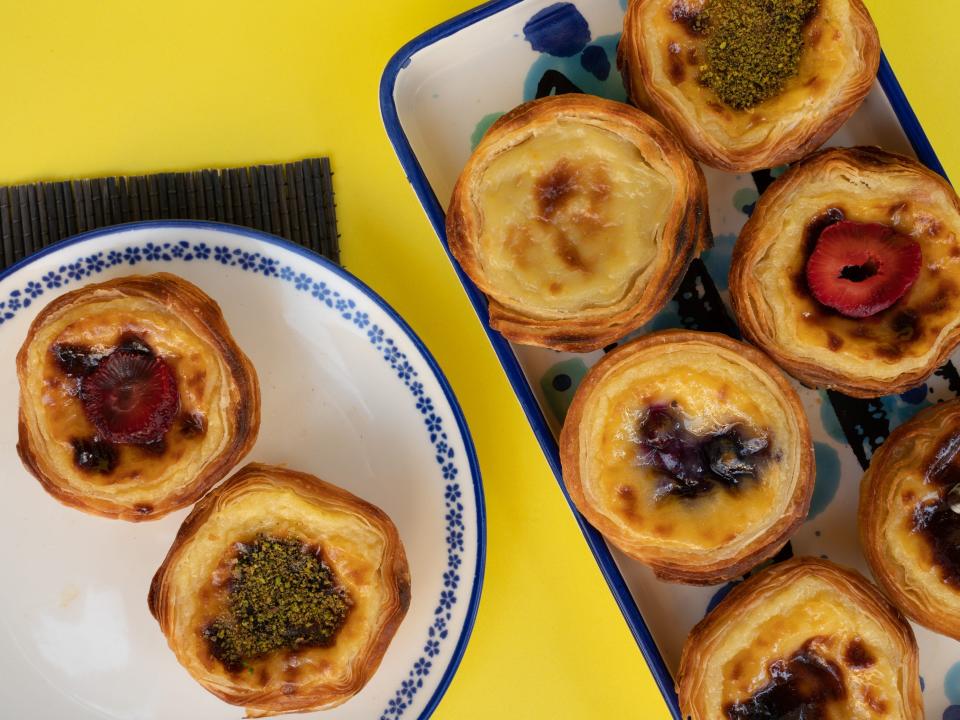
x=753 y=47
x=281 y=595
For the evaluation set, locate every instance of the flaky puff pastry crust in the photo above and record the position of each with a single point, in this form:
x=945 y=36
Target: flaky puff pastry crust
x=832 y=611
x=215 y=380
x=577 y=217
x=716 y=382
x=889 y=352
x=902 y=479
x=659 y=57
x=361 y=546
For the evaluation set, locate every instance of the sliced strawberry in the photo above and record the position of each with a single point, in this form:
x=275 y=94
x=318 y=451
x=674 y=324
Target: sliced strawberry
x=131 y=397
x=860 y=269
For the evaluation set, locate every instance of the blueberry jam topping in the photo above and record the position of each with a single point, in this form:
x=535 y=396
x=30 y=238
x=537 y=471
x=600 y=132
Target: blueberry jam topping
x=939 y=521
x=692 y=464
x=799 y=688
x=94 y=455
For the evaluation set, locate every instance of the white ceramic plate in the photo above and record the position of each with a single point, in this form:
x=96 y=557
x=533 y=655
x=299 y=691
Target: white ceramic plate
x=349 y=394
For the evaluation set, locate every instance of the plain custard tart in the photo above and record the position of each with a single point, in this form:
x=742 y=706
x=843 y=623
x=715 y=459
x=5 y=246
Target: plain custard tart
x=577 y=217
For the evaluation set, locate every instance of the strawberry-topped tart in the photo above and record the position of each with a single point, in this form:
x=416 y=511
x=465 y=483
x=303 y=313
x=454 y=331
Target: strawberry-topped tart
x=134 y=397
x=848 y=272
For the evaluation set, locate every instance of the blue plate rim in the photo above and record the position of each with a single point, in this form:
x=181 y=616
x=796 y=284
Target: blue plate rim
x=508 y=360
x=364 y=289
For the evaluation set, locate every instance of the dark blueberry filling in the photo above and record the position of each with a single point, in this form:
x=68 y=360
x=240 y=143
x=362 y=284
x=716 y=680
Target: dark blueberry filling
x=691 y=464
x=95 y=455
x=939 y=521
x=799 y=688
x=80 y=360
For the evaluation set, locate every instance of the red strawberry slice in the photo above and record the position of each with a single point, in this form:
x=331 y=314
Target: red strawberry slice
x=860 y=269
x=131 y=397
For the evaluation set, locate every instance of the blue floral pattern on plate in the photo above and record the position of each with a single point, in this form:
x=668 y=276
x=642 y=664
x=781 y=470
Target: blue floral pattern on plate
x=87 y=267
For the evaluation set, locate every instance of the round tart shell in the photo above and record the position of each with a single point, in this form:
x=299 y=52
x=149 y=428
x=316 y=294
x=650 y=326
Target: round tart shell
x=360 y=544
x=233 y=416
x=868 y=185
x=697 y=566
x=659 y=59
x=903 y=460
x=781 y=585
x=681 y=233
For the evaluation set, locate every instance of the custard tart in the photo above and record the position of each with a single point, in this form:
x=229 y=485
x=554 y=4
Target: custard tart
x=577 y=217
x=802 y=639
x=691 y=453
x=281 y=592
x=134 y=397
x=910 y=517
x=749 y=84
x=847 y=272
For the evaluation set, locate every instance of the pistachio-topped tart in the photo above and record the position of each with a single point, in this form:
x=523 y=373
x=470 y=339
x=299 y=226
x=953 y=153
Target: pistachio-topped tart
x=281 y=592
x=134 y=397
x=749 y=84
x=802 y=639
x=847 y=272
x=691 y=453
x=577 y=217
x=910 y=517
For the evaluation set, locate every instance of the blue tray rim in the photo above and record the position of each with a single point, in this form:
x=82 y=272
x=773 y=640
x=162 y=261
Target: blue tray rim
x=508 y=360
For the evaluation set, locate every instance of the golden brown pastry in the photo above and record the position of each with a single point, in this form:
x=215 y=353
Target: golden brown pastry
x=134 y=397
x=910 y=517
x=282 y=592
x=577 y=217
x=691 y=453
x=747 y=84
x=803 y=639
x=846 y=272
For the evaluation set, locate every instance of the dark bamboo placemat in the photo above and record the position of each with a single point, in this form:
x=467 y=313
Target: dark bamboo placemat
x=294 y=201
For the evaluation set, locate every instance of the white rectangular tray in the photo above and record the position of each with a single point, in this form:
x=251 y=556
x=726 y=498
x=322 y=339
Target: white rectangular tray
x=438 y=95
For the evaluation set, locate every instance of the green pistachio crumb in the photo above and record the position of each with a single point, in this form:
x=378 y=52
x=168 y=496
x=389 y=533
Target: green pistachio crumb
x=282 y=596
x=753 y=47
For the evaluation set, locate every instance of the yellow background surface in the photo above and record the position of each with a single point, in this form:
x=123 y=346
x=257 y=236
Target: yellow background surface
x=95 y=88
